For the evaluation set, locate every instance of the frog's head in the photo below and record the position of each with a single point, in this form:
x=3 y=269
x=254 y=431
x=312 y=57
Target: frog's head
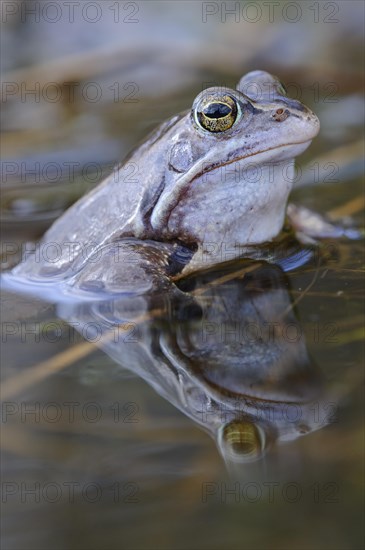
x=230 y=164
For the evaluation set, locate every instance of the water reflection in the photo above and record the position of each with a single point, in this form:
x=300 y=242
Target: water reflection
x=228 y=351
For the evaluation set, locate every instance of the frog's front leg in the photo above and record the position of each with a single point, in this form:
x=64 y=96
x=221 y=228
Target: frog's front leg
x=130 y=266
x=310 y=226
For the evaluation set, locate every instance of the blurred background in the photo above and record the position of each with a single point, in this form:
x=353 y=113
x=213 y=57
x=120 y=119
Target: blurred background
x=82 y=83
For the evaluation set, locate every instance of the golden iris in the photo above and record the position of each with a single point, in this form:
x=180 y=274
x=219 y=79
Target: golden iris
x=216 y=113
x=242 y=438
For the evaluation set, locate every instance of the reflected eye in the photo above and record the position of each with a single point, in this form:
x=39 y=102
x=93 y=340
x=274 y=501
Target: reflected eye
x=216 y=113
x=242 y=441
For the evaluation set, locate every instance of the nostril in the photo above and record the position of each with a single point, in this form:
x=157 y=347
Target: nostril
x=280 y=115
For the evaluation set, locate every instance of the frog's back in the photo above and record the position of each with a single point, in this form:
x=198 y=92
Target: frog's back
x=101 y=215
x=119 y=207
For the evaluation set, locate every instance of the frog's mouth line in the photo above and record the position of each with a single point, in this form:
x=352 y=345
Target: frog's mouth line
x=237 y=159
x=168 y=199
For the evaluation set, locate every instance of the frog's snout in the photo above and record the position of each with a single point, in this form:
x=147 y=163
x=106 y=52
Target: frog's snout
x=293 y=108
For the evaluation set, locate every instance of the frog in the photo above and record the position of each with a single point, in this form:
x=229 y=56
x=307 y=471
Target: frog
x=214 y=177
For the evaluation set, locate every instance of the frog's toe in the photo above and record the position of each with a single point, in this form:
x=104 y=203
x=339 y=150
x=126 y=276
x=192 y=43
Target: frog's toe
x=310 y=226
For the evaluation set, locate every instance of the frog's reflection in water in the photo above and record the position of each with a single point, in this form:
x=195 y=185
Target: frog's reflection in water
x=228 y=351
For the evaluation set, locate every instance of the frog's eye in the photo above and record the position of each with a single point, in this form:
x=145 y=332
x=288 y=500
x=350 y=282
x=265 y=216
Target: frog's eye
x=216 y=113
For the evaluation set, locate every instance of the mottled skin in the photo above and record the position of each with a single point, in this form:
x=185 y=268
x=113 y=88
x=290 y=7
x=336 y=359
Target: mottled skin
x=191 y=190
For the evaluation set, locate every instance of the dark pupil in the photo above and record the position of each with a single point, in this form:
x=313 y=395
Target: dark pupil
x=217 y=110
